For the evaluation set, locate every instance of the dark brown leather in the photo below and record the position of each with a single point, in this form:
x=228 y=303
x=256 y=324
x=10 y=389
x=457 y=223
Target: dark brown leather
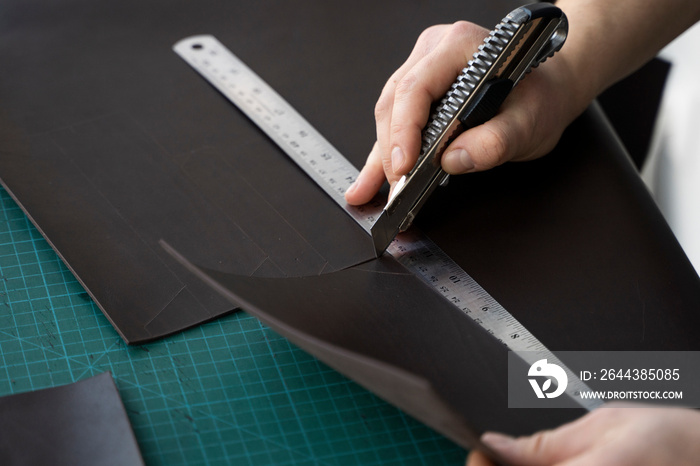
x=83 y=423
x=571 y=245
x=110 y=141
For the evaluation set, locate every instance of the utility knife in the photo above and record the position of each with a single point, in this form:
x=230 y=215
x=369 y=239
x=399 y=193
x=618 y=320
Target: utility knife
x=520 y=42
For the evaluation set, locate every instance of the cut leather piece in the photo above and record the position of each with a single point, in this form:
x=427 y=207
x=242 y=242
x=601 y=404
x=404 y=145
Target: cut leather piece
x=83 y=423
x=386 y=329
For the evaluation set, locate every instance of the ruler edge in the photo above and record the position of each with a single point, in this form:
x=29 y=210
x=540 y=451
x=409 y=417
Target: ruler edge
x=315 y=177
x=364 y=220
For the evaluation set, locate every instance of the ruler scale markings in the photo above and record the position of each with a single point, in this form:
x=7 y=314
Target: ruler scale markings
x=334 y=174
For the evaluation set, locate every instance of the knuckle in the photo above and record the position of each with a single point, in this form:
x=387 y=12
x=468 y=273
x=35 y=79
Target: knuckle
x=461 y=28
x=405 y=86
x=495 y=147
x=427 y=35
x=465 y=36
x=430 y=36
x=404 y=129
x=538 y=443
x=462 y=32
x=380 y=110
x=382 y=107
x=388 y=170
x=396 y=131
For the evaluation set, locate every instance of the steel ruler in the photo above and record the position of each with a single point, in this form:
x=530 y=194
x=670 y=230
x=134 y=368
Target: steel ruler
x=334 y=174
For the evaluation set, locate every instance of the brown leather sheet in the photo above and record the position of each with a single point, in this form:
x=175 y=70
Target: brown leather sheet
x=83 y=423
x=571 y=245
x=110 y=143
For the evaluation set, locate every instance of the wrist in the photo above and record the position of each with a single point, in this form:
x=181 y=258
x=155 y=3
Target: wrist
x=609 y=40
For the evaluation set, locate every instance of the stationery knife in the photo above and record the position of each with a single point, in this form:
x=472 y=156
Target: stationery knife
x=521 y=41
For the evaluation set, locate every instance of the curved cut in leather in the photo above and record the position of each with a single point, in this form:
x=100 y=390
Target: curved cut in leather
x=110 y=142
x=386 y=329
x=571 y=245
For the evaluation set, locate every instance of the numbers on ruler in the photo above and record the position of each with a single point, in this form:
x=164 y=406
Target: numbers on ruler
x=319 y=158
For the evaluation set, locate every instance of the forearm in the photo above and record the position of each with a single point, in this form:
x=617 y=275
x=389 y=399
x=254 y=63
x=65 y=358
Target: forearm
x=610 y=39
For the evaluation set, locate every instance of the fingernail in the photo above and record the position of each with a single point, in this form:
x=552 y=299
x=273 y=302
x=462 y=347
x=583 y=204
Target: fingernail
x=397 y=159
x=460 y=160
x=352 y=188
x=355 y=184
x=497 y=441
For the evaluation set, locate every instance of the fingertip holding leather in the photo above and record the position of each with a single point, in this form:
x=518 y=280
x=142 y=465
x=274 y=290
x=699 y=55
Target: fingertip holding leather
x=351 y=190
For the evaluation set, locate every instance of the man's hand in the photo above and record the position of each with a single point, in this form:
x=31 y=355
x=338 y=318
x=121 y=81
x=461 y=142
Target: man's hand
x=606 y=41
x=528 y=125
x=618 y=435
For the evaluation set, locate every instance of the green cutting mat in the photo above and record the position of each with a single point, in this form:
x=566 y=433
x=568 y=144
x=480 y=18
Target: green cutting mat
x=227 y=392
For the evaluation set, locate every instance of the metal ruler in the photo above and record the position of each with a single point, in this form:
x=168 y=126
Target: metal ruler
x=334 y=174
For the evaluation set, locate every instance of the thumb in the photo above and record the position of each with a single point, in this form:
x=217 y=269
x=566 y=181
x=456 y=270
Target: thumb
x=538 y=449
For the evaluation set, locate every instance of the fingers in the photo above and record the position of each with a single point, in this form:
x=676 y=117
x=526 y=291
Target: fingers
x=399 y=133
x=374 y=172
x=528 y=125
x=539 y=449
x=404 y=105
x=476 y=458
x=564 y=445
x=545 y=447
x=368 y=181
x=482 y=147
